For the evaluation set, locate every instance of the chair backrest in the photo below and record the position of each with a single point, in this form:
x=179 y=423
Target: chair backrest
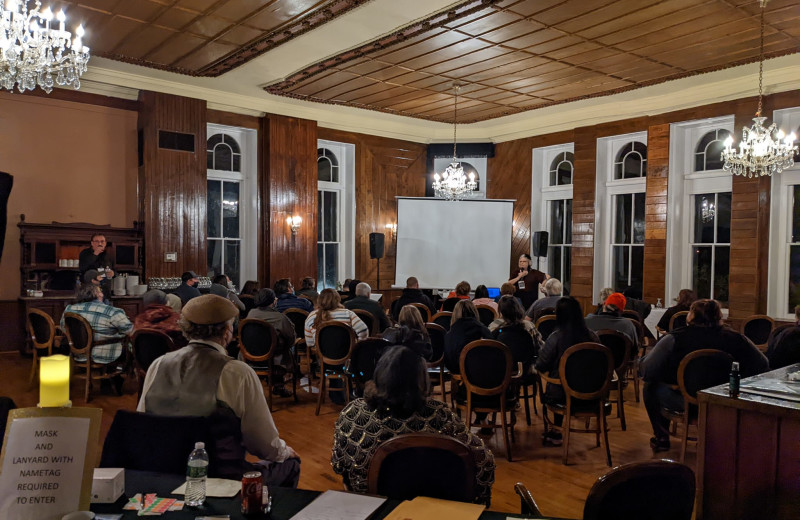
x=366 y=354
x=257 y=340
x=436 y=333
x=544 y=311
x=630 y=313
x=757 y=328
x=298 y=318
x=149 y=345
x=703 y=369
x=450 y=303
x=423 y=310
x=486 y=314
x=159 y=443
x=442 y=319
x=520 y=342
x=653 y=489
x=620 y=345
x=677 y=320
x=249 y=303
x=639 y=339
x=335 y=341
x=41 y=328
x=546 y=325
x=485 y=366
x=79 y=333
x=368 y=319
x=422 y=464
x=585 y=371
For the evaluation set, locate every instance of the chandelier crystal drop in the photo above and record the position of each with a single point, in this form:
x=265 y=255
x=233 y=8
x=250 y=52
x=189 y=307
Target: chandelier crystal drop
x=35 y=49
x=761 y=151
x=452 y=184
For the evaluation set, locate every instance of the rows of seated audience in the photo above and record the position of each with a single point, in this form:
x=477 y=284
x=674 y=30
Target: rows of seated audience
x=207 y=376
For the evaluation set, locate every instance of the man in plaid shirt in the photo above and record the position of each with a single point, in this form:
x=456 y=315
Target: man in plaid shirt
x=106 y=321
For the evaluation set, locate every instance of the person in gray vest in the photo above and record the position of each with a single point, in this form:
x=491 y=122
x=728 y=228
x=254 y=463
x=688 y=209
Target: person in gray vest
x=201 y=380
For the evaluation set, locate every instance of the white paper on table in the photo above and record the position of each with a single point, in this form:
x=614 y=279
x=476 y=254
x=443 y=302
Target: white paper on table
x=215 y=487
x=338 y=505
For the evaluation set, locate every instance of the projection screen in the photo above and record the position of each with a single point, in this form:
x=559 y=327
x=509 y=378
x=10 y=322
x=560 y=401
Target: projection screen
x=443 y=242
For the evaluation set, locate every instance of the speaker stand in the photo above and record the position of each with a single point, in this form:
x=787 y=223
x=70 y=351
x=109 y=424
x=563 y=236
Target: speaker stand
x=538 y=258
x=378 y=284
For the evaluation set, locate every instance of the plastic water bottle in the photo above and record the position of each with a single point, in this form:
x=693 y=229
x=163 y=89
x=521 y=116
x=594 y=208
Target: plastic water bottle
x=735 y=377
x=196 y=473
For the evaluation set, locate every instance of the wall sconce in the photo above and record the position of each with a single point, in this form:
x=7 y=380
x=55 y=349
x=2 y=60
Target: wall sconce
x=54 y=381
x=393 y=229
x=294 y=223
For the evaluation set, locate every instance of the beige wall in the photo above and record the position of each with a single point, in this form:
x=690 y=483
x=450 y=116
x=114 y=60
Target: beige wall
x=71 y=162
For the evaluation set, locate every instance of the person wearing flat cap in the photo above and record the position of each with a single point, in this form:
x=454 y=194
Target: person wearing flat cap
x=610 y=317
x=201 y=380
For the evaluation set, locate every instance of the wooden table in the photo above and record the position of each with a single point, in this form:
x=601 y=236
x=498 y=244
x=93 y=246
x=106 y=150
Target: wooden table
x=748 y=456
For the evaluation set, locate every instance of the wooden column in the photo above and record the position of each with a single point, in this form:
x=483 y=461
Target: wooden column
x=172 y=185
x=655 y=214
x=583 y=195
x=287 y=186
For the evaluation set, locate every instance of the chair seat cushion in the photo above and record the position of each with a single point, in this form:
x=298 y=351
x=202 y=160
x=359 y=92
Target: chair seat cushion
x=578 y=406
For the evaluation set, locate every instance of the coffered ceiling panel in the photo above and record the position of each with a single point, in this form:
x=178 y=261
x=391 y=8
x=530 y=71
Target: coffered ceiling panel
x=196 y=37
x=516 y=55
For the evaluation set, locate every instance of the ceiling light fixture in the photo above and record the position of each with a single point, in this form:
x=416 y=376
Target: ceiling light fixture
x=453 y=184
x=761 y=151
x=33 y=50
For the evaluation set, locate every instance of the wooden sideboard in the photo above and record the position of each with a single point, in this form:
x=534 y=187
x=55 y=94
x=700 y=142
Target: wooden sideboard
x=748 y=455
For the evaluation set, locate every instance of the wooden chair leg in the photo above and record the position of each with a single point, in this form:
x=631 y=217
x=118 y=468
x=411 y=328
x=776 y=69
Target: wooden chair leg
x=635 y=370
x=685 y=439
x=505 y=432
x=294 y=386
x=566 y=429
x=601 y=419
x=620 y=406
x=321 y=390
x=86 y=395
x=525 y=397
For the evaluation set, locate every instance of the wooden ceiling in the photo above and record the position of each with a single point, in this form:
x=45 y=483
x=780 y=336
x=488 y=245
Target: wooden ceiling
x=517 y=55
x=196 y=37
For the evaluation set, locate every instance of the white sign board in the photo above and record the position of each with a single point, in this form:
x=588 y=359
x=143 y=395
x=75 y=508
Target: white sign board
x=44 y=465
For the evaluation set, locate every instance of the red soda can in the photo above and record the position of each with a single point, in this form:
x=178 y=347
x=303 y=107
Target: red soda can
x=252 y=487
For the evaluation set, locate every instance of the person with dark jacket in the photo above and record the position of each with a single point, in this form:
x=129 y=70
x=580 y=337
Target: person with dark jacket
x=188 y=287
x=410 y=331
x=783 y=348
x=286 y=298
x=634 y=302
x=570 y=330
x=517 y=333
x=364 y=302
x=682 y=303
x=96 y=257
x=659 y=369
x=465 y=327
x=411 y=294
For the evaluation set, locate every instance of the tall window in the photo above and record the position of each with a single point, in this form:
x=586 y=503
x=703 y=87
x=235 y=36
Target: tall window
x=711 y=245
x=230 y=214
x=328 y=219
x=560 y=218
x=627 y=246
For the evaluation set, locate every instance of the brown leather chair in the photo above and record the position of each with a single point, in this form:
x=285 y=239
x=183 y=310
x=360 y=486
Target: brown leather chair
x=424 y=311
x=369 y=320
x=757 y=328
x=677 y=320
x=486 y=314
x=335 y=342
x=257 y=343
x=42 y=329
x=442 y=319
x=436 y=370
x=546 y=325
x=620 y=345
x=148 y=345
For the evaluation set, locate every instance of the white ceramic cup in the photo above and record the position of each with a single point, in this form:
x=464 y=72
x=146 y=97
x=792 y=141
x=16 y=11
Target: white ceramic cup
x=78 y=515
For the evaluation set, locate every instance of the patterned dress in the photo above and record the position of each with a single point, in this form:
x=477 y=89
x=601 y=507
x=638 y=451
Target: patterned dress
x=359 y=431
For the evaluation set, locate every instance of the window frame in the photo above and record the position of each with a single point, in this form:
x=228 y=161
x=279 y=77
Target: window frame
x=713 y=245
x=248 y=205
x=345 y=187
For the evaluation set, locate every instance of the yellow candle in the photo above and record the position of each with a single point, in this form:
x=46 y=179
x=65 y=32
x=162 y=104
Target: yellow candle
x=54 y=381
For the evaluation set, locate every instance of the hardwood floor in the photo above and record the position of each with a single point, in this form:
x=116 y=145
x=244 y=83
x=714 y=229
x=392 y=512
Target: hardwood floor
x=559 y=490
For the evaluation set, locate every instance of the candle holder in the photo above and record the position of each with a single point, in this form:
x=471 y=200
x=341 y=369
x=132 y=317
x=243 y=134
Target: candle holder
x=54 y=382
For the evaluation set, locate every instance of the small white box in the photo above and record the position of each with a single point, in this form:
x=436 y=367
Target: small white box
x=108 y=485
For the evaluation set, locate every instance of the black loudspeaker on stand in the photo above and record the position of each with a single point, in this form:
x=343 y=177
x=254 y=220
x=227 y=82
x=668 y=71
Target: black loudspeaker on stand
x=376 y=251
x=540 y=243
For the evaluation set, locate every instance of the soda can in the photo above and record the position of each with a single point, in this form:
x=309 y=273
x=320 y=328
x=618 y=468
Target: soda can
x=252 y=491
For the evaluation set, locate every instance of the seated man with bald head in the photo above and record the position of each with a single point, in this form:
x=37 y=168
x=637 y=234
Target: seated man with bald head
x=362 y=301
x=201 y=380
x=411 y=294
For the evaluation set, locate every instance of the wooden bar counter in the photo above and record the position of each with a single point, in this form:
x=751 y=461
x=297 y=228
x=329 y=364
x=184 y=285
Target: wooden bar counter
x=748 y=456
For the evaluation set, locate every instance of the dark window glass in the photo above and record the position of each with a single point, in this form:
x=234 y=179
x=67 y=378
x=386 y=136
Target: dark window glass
x=568 y=222
x=723 y=218
x=708 y=154
x=223 y=158
x=620 y=266
x=557 y=221
x=638 y=218
x=213 y=141
x=701 y=271
x=324 y=169
x=637 y=267
x=331 y=260
x=561 y=169
x=714 y=155
x=704 y=212
x=214 y=256
x=214 y=209
x=330 y=217
x=722 y=256
x=230 y=209
x=794 y=278
x=210 y=160
x=622 y=219
x=232 y=260
x=237 y=163
x=631 y=161
x=555 y=262
x=230 y=141
x=796 y=215
x=320 y=215
x=320 y=267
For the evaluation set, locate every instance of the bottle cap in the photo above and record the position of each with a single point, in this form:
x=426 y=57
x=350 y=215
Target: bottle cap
x=199 y=445
x=735 y=365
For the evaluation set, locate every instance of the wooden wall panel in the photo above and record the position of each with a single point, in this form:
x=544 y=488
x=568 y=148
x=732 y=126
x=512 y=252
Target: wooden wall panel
x=655 y=214
x=287 y=186
x=232 y=119
x=583 y=213
x=385 y=168
x=172 y=185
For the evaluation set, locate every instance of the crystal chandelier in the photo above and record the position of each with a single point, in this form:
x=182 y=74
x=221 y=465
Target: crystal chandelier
x=761 y=151
x=453 y=184
x=34 y=52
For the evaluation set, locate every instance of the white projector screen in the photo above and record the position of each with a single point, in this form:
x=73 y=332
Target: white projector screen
x=443 y=242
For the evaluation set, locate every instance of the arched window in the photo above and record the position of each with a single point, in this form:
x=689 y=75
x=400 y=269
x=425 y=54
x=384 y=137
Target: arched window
x=223 y=153
x=561 y=169
x=327 y=166
x=708 y=154
x=631 y=161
